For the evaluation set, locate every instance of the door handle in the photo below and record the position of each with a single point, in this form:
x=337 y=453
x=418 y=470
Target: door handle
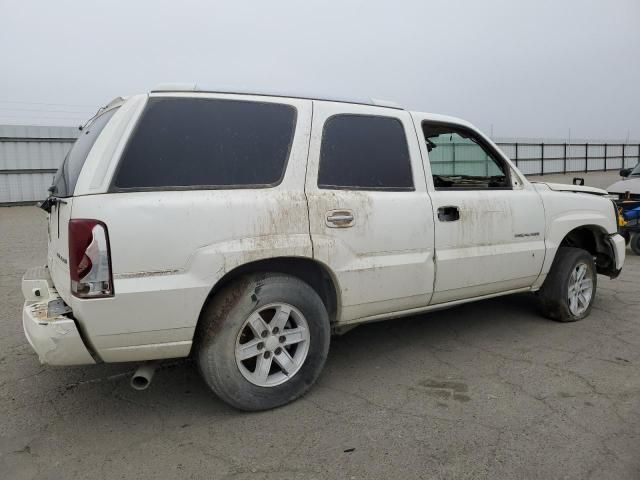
x=340 y=218
x=449 y=213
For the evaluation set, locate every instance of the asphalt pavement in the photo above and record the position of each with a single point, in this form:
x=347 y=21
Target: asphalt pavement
x=489 y=390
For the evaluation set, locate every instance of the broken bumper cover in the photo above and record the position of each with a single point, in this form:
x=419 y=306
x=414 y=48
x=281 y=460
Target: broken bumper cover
x=53 y=336
x=619 y=248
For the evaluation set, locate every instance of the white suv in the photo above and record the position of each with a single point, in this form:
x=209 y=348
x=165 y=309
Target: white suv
x=243 y=229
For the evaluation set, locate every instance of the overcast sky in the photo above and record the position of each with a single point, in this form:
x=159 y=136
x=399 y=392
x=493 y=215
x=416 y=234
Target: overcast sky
x=528 y=68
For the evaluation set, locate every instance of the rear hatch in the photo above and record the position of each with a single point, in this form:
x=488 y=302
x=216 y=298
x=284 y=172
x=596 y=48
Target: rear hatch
x=58 y=250
x=64 y=184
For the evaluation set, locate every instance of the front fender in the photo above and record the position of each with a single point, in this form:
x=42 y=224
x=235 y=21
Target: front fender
x=567 y=211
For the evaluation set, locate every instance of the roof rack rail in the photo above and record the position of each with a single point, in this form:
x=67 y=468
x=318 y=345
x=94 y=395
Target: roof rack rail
x=386 y=103
x=192 y=87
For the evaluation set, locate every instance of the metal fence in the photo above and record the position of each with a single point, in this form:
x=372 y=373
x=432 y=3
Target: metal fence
x=544 y=158
x=29 y=157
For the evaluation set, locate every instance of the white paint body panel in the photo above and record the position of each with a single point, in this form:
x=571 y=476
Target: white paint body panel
x=498 y=242
x=58 y=247
x=482 y=252
x=384 y=262
x=563 y=187
x=565 y=211
x=170 y=248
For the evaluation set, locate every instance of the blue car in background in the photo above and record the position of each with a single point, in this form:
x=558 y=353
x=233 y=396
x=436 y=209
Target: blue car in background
x=628 y=192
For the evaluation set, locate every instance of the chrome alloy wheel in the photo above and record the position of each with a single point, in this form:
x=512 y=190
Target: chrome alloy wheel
x=272 y=344
x=580 y=289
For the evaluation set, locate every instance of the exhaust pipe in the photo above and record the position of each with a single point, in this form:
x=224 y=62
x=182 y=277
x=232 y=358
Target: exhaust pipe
x=141 y=379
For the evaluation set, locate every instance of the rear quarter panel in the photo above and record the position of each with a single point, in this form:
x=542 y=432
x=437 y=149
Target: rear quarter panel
x=169 y=248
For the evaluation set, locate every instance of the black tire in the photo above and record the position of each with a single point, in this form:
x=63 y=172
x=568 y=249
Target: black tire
x=627 y=236
x=635 y=243
x=222 y=320
x=554 y=294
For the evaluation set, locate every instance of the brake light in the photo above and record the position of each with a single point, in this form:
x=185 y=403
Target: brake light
x=89 y=259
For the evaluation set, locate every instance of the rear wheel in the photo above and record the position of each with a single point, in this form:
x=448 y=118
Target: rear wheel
x=568 y=291
x=263 y=341
x=635 y=243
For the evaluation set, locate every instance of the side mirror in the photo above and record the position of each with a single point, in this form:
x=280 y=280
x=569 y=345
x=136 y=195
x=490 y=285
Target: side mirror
x=625 y=172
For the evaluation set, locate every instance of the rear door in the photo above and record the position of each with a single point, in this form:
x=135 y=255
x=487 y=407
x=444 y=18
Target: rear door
x=490 y=223
x=370 y=215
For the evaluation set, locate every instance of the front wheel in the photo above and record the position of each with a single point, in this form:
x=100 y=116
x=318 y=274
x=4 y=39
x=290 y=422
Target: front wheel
x=263 y=341
x=570 y=287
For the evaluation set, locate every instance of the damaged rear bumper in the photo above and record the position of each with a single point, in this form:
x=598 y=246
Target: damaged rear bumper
x=50 y=331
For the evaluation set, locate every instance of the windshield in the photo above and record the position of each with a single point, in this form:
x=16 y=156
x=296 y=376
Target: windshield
x=67 y=175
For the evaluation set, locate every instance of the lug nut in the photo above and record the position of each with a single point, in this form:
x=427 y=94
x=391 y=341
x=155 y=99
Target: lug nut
x=260 y=345
x=267 y=354
x=275 y=330
x=264 y=334
x=282 y=338
x=278 y=351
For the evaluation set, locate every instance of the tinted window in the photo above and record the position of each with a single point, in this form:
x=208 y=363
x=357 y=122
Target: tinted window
x=460 y=159
x=364 y=152
x=190 y=142
x=67 y=175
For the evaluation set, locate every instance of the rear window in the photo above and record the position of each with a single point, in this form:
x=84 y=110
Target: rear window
x=364 y=152
x=64 y=182
x=207 y=143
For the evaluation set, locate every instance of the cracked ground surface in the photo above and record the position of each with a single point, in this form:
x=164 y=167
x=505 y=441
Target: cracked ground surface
x=487 y=390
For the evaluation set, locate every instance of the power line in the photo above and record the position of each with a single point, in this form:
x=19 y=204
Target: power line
x=50 y=104
x=36 y=114
x=43 y=110
x=76 y=119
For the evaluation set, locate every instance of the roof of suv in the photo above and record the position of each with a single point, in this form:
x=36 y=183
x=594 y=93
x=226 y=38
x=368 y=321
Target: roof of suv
x=192 y=87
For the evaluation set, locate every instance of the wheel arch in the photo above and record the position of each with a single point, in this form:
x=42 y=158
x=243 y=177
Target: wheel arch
x=593 y=239
x=316 y=274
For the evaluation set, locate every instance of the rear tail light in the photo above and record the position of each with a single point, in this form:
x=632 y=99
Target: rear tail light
x=89 y=259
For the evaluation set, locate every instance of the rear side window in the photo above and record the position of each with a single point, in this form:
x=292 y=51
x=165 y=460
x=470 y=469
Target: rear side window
x=67 y=175
x=209 y=143
x=364 y=152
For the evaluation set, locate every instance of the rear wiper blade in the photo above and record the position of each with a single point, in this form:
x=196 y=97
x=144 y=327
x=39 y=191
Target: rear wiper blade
x=49 y=202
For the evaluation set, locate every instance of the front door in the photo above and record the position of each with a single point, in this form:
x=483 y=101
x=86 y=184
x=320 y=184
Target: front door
x=489 y=222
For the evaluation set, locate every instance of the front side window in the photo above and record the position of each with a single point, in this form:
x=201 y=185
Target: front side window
x=186 y=143
x=364 y=152
x=460 y=159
